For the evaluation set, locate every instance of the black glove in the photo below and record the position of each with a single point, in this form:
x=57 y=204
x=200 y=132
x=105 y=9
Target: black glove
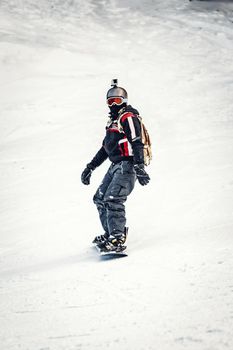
x=86 y=175
x=141 y=174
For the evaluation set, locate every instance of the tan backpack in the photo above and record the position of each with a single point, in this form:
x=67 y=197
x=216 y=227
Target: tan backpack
x=146 y=142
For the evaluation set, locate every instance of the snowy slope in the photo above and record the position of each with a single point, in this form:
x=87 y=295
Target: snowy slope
x=175 y=289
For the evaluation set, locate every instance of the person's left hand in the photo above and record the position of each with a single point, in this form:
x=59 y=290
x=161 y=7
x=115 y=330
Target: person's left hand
x=142 y=176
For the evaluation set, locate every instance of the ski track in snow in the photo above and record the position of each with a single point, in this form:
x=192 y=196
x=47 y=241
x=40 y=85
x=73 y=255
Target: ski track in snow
x=175 y=288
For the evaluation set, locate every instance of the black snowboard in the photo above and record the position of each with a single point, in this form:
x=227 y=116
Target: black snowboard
x=120 y=253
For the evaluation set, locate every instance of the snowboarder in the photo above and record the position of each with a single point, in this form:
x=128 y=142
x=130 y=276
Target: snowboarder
x=123 y=146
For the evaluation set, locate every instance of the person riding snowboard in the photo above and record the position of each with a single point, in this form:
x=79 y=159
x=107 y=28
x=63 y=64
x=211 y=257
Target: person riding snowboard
x=123 y=146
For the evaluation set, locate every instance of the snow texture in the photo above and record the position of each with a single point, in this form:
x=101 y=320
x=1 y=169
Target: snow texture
x=175 y=288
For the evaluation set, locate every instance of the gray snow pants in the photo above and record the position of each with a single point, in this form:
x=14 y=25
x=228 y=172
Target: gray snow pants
x=109 y=198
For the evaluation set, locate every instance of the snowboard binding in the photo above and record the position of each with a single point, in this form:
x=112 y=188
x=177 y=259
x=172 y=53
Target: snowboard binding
x=111 y=244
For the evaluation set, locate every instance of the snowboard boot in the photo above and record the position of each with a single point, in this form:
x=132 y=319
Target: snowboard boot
x=100 y=239
x=116 y=242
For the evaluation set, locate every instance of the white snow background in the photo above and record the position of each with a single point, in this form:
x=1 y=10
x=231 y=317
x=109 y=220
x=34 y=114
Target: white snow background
x=175 y=288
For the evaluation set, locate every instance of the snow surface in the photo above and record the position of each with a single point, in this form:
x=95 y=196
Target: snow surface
x=175 y=288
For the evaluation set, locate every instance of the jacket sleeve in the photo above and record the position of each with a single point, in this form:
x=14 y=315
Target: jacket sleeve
x=132 y=128
x=98 y=159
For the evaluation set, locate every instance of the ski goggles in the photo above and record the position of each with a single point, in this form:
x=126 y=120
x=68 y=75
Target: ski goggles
x=115 y=100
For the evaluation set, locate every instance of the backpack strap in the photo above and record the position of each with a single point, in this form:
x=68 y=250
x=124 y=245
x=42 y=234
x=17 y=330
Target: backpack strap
x=145 y=137
x=123 y=117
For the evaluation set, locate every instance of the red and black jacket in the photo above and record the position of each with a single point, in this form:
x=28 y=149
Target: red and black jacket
x=122 y=140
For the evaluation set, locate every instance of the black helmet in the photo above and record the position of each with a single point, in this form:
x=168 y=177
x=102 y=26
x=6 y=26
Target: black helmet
x=117 y=91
